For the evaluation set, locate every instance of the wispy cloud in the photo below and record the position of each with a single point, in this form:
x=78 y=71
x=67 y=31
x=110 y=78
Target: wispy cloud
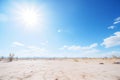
x=15 y=44
x=36 y=49
x=33 y=51
x=29 y=51
x=75 y=47
x=117 y=20
x=112 y=40
x=111 y=27
x=82 y=49
x=87 y=51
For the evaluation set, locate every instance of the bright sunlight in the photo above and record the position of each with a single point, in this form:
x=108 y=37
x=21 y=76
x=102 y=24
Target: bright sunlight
x=29 y=16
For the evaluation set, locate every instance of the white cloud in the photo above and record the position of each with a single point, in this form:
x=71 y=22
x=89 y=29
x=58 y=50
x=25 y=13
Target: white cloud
x=117 y=20
x=112 y=40
x=93 y=45
x=81 y=49
x=111 y=27
x=36 y=49
x=22 y=50
x=87 y=51
x=31 y=51
x=15 y=44
x=75 y=47
x=3 y=17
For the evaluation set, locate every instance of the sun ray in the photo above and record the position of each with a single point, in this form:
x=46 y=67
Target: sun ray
x=29 y=17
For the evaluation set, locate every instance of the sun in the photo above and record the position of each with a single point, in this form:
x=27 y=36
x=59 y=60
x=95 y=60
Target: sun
x=29 y=16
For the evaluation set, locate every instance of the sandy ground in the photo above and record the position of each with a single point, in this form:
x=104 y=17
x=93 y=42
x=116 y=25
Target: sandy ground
x=65 y=69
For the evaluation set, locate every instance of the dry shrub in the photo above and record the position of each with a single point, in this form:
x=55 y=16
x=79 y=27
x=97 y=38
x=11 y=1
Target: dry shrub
x=116 y=63
x=101 y=63
x=76 y=60
x=11 y=57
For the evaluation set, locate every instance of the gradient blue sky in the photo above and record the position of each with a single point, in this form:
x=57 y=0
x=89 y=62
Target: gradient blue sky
x=66 y=28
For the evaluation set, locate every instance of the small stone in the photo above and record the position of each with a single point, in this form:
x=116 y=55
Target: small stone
x=101 y=63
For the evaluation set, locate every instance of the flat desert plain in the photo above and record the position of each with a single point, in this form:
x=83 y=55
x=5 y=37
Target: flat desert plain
x=60 y=69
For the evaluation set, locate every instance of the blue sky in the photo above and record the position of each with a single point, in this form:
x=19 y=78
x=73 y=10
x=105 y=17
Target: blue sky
x=60 y=28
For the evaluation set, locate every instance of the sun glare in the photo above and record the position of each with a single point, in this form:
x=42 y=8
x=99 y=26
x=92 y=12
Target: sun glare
x=29 y=17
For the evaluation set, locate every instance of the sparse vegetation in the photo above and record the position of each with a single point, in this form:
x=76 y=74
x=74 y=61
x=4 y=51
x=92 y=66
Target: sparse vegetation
x=76 y=60
x=101 y=63
x=116 y=63
x=11 y=57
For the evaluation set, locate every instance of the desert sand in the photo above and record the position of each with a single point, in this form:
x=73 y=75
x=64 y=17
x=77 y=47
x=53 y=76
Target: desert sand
x=60 y=69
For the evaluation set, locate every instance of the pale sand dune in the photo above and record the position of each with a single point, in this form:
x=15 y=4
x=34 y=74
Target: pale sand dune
x=64 y=69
